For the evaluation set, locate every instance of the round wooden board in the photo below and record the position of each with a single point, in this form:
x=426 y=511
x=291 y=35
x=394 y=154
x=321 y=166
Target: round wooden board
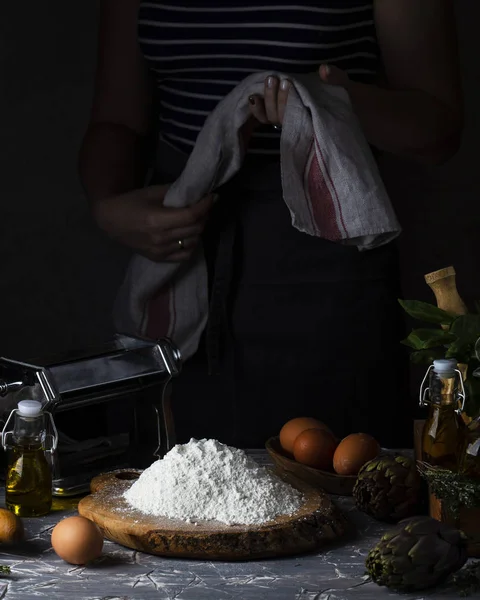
x=317 y=523
x=329 y=482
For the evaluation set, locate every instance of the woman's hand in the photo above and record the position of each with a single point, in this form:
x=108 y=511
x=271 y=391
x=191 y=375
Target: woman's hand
x=269 y=109
x=334 y=76
x=139 y=219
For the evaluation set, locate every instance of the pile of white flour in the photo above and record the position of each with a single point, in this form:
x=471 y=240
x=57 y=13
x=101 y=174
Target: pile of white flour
x=207 y=481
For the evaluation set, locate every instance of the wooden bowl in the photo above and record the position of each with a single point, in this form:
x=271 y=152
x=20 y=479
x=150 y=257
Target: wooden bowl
x=331 y=483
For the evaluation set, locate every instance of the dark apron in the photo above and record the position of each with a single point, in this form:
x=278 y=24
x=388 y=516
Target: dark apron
x=298 y=326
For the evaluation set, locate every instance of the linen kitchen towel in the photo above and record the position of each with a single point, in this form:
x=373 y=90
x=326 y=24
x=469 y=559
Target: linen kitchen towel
x=331 y=185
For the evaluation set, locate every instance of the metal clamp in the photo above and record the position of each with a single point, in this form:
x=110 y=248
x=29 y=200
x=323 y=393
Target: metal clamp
x=5 y=433
x=461 y=395
x=52 y=437
x=424 y=390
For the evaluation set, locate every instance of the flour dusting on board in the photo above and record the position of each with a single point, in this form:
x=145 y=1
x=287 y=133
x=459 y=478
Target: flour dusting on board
x=205 y=480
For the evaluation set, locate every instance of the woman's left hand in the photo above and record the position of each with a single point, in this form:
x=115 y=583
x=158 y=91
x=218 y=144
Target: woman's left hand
x=269 y=109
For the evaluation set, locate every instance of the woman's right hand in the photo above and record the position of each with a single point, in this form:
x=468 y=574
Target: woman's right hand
x=139 y=219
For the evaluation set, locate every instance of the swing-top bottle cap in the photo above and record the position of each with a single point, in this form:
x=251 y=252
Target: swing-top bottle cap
x=445 y=367
x=29 y=408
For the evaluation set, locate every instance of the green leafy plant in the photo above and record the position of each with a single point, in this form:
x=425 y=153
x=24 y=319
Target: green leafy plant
x=450 y=336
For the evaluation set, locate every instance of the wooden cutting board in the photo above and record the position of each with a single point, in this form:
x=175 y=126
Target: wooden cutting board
x=316 y=524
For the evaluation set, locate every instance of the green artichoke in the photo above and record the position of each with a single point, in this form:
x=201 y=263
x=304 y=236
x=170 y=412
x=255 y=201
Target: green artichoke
x=388 y=488
x=418 y=553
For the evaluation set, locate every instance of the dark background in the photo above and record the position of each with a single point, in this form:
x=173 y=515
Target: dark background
x=59 y=275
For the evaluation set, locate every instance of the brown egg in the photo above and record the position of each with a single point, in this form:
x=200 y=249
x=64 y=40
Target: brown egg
x=291 y=430
x=315 y=448
x=77 y=540
x=353 y=452
x=11 y=527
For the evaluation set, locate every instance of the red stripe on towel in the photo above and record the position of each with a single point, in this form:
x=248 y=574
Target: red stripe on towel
x=321 y=200
x=158 y=316
x=332 y=184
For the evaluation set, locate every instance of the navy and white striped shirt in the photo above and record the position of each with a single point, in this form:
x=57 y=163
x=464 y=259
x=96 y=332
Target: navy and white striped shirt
x=199 y=50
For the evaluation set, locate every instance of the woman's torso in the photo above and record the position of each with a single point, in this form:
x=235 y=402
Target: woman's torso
x=198 y=50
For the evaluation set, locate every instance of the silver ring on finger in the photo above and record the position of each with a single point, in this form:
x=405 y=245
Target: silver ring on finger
x=181 y=244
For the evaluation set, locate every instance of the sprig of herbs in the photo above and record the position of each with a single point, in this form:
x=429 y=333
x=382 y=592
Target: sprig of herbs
x=455 y=490
x=4 y=570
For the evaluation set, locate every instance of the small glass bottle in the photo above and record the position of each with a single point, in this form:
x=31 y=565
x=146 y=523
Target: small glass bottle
x=28 y=486
x=444 y=430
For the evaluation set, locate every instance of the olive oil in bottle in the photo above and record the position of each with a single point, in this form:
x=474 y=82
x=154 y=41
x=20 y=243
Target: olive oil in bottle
x=444 y=430
x=28 y=486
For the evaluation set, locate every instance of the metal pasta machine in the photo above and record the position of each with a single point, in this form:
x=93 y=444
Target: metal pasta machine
x=110 y=405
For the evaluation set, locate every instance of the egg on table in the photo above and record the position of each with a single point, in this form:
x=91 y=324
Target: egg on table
x=353 y=452
x=11 y=527
x=77 y=540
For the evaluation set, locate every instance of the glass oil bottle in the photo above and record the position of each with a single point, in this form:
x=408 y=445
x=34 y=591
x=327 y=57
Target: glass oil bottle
x=444 y=430
x=28 y=486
